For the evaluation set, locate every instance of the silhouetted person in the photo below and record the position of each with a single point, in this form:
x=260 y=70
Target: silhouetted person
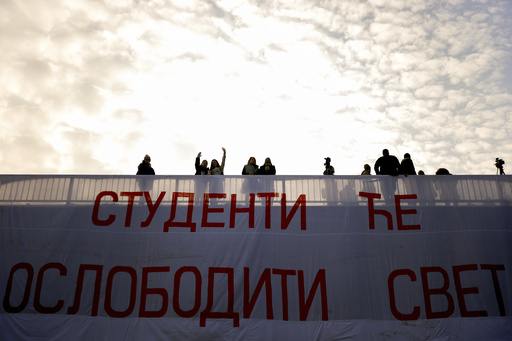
x=145 y=167
x=251 y=167
x=387 y=164
x=446 y=187
x=368 y=183
x=442 y=171
x=407 y=166
x=215 y=168
x=250 y=184
x=201 y=168
x=367 y=170
x=145 y=183
x=267 y=169
x=329 y=169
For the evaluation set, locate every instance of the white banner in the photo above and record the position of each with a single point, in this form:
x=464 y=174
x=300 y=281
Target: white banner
x=255 y=257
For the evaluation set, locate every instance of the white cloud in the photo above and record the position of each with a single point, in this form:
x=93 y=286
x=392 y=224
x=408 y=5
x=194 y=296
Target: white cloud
x=433 y=91
x=90 y=87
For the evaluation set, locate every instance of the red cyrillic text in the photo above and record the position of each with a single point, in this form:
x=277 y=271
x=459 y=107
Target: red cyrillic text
x=124 y=286
x=210 y=209
x=398 y=208
x=441 y=292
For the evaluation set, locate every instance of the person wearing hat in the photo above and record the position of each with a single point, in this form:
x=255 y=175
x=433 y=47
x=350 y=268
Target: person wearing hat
x=145 y=167
x=267 y=169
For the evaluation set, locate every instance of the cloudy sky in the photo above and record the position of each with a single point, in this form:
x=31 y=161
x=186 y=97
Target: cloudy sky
x=90 y=86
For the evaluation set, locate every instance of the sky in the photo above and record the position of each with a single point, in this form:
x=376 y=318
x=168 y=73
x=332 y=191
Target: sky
x=91 y=86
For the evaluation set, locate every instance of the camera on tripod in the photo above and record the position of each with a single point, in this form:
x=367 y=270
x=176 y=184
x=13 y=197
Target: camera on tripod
x=499 y=165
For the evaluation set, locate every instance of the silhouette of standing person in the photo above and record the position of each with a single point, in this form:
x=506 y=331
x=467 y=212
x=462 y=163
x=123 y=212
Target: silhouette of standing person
x=367 y=170
x=201 y=167
x=145 y=183
x=387 y=164
x=249 y=184
x=251 y=167
x=217 y=184
x=368 y=185
x=267 y=169
x=407 y=166
x=215 y=168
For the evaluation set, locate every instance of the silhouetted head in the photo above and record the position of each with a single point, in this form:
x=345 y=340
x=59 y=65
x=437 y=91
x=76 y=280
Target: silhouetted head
x=442 y=171
x=385 y=152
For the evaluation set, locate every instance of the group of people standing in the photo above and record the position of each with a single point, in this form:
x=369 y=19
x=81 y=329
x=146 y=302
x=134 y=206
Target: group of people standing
x=215 y=167
x=251 y=168
x=389 y=165
x=385 y=165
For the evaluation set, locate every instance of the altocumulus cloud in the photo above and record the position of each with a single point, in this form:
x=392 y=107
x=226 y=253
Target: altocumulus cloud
x=92 y=86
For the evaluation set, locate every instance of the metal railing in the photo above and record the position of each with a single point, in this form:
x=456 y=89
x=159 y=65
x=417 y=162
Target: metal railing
x=319 y=190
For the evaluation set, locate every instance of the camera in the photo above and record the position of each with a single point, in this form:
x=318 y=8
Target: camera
x=499 y=164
